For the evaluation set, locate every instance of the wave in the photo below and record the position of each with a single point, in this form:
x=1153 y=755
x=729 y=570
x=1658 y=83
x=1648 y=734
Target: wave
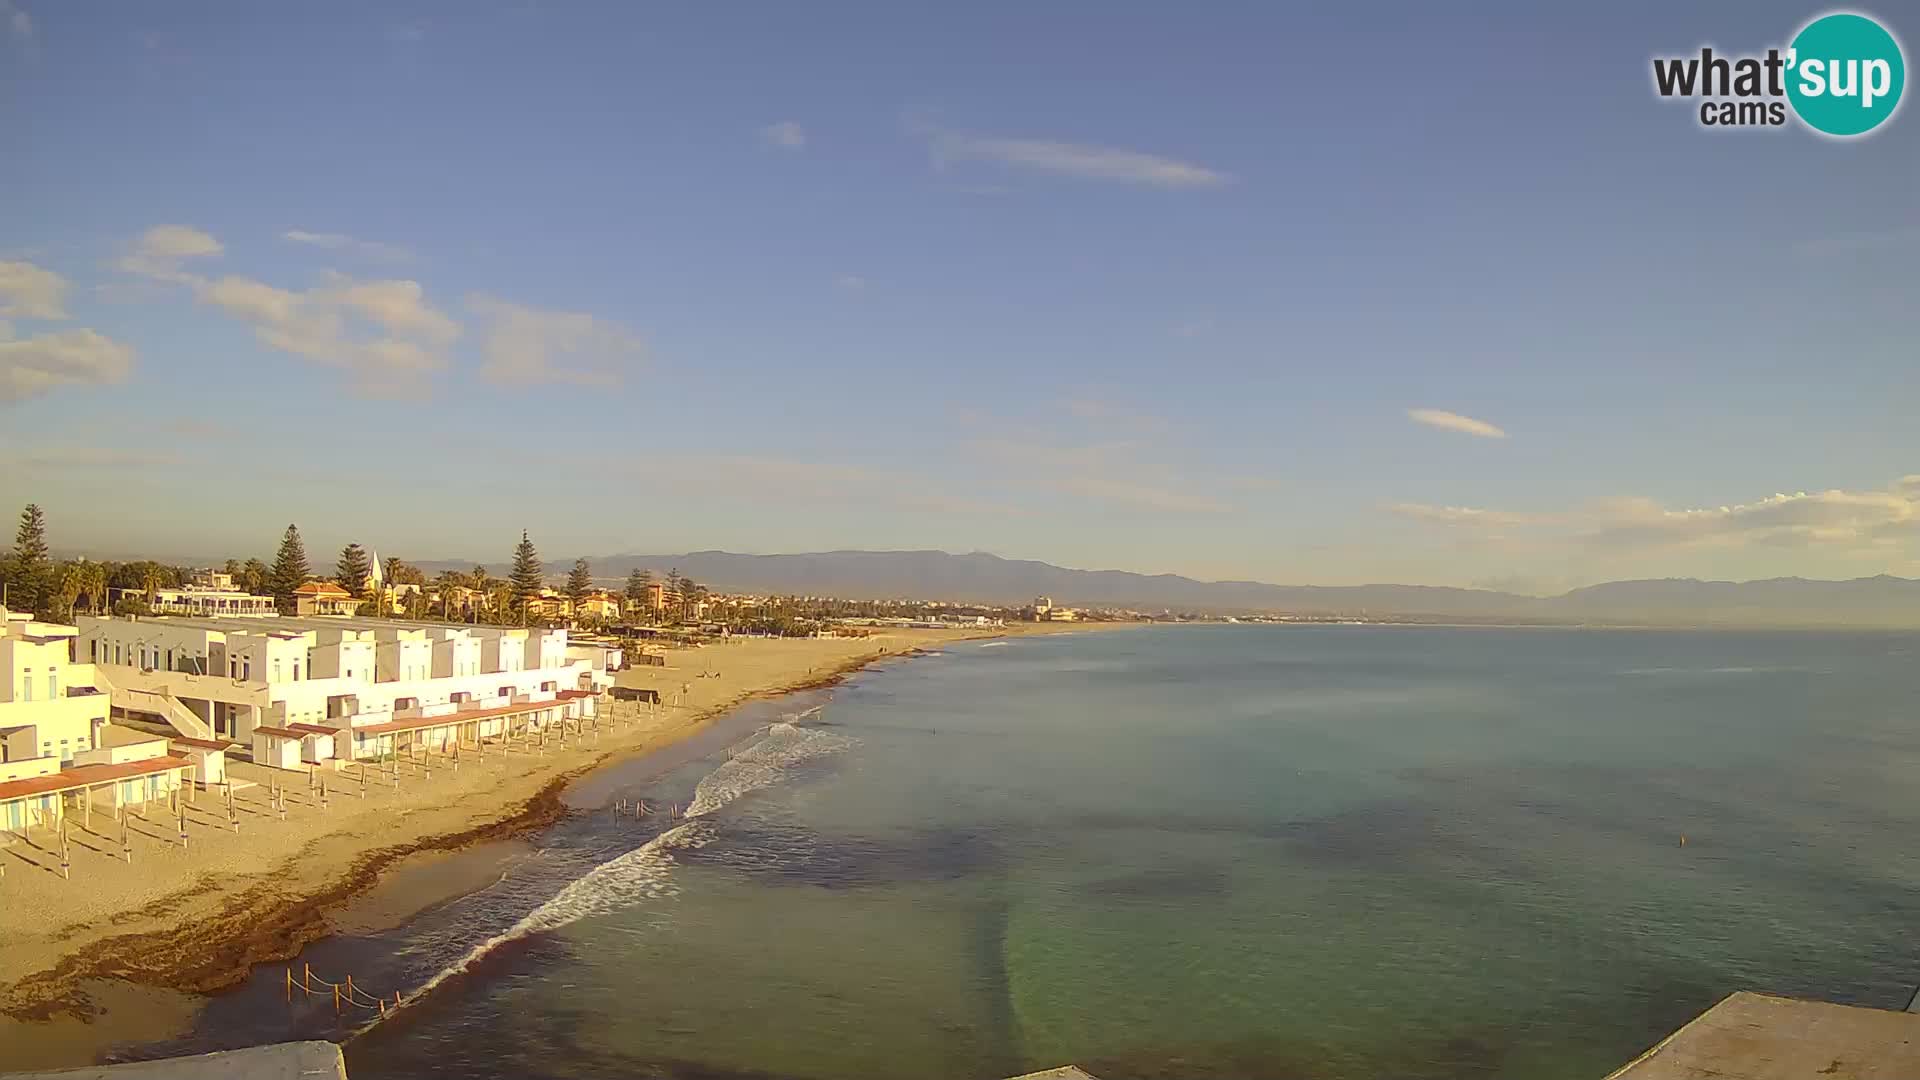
x=996 y=645
x=643 y=874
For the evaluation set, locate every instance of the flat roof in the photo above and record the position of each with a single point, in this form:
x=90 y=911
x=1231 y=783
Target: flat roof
x=277 y=732
x=81 y=776
x=198 y=744
x=311 y=729
x=1752 y=1036
x=450 y=719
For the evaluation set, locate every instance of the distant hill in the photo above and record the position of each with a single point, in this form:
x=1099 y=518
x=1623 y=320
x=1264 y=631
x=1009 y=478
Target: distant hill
x=982 y=578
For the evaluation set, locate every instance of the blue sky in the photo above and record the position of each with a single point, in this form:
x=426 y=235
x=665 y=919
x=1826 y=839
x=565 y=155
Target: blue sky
x=1107 y=285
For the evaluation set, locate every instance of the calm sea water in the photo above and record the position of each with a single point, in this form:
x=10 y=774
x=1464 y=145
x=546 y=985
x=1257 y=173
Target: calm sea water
x=1304 y=853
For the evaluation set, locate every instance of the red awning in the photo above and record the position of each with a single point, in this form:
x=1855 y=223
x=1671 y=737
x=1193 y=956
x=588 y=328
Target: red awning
x=84 y=776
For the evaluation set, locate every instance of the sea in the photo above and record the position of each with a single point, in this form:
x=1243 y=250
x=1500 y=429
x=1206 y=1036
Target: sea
x=1289 y=852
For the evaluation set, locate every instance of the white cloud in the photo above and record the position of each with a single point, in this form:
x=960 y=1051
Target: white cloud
x=1451 y=421
x=523 y=344
x=1836 y=519
x=38 y=365
x=370 y=249
x=850 y=283
x=19 y=23
x=31 y=292
x=1465 y=515
x=161 y=251
x=786 y=134
x=1073 y=159
x=384 y=333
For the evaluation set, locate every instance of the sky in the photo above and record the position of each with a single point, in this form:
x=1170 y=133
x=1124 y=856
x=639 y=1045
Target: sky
x=1329 y=294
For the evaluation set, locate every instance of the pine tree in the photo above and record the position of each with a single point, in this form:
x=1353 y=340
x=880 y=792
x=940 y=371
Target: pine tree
x=353 y=569
x=637 y=583
x=29 y=573
x=525 y=576
x=579 y=584
x=290 y=569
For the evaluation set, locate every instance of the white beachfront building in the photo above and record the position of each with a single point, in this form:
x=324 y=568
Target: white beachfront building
x=56 y=745
x=211 y=594
x=353 y=684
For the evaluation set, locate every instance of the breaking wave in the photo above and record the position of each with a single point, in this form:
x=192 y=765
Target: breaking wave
x=643 y=874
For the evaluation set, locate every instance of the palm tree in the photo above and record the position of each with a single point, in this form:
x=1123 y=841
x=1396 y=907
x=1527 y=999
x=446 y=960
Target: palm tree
x=73 y=582
x=150 y=581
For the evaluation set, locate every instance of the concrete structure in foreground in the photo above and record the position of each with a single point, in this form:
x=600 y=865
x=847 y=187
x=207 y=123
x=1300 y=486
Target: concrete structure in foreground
x=281 y=1061
x=1757 y=1037
x=303 y=679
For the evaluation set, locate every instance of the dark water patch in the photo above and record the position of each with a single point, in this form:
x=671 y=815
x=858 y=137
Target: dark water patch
x=782 y=850
x=1464 y=1055
x=545 y=1044
x=1197 y=881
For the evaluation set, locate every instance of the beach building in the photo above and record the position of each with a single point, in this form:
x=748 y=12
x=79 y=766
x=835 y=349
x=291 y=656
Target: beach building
x=126 y=768
x=324 y=598
x=211 y=592
x=50 y=707
x=310 y=690
x=600 y=604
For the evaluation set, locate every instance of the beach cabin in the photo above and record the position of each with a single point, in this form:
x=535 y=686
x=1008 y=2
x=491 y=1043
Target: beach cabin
x=636 y=693
x=316 y=742
x=278 y=747
x=208 y=756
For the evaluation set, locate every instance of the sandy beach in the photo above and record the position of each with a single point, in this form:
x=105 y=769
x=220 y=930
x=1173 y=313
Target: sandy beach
x=196 y=919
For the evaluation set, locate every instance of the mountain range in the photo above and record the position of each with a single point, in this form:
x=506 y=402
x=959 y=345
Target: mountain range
x=978 y=577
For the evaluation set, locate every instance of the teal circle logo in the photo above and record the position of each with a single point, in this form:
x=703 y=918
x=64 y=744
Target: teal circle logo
x=1845 y=74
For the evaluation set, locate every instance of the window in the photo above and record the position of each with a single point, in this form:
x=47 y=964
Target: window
x=53 y=684
x=26 y=685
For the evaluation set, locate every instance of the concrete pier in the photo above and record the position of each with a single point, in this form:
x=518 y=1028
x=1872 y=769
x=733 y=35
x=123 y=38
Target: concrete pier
x=1757 y=1037
x=281 y=1061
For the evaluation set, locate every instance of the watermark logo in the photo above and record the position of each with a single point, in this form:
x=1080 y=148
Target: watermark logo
x=1842 y=75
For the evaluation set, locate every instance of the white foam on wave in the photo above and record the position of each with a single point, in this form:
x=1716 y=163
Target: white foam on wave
x=644 y=874
x=995 y=645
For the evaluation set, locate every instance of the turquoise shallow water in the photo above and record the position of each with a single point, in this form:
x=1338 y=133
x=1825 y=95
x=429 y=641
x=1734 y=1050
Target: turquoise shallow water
x=1304 y=853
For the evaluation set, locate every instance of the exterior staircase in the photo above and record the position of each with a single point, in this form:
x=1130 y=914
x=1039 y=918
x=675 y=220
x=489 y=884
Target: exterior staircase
x=158 y=703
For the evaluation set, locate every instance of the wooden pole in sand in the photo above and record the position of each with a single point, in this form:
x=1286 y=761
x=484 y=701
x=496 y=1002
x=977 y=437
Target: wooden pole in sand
x=126 y=849
x=306 y=978
x=183 y=828
x=66 y=862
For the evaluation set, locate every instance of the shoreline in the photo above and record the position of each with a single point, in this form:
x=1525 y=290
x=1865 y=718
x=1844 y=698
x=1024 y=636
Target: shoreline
x=262 y=920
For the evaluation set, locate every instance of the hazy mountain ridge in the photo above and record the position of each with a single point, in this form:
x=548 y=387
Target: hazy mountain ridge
x=983 y=578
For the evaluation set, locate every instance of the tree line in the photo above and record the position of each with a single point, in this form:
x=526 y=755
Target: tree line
x=31 y=580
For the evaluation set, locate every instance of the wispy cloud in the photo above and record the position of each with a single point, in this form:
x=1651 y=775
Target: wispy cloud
x=383 y=333
x=163 y=251
x=1103 y=472
x=850 y=283
x=522 y=345
x=54 y=458
x=1107 y=413
x=31 y=292
x=340 y=242
x=1452 y=421
x=1080 y=160
x=1835 y=519
x=786 y=134
x=789 y=480
x=19 y=23
x=40 y=365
